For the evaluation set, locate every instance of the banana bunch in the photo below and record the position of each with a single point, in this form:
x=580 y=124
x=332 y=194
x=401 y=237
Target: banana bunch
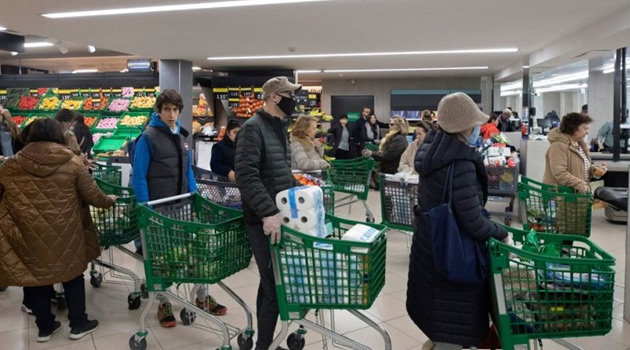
x=49 y=103
x=71 y=104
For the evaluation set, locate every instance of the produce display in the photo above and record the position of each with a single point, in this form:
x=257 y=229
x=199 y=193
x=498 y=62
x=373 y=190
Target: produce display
x=307 y=180
x=14 y=96
x=49 y=103
x=118 y=153
x=143 y=102
x=247 y=106
x=129 y=120
x=32 y=119
x=72 y=104
x=107 y=123
x=19 y=119
x=27 y=102
x=89 y=121
x=97 y=136
x=89 y=105
x=119 y=105
x=127 y=92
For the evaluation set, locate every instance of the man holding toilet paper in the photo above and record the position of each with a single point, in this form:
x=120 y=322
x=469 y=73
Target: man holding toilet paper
x=263 y=169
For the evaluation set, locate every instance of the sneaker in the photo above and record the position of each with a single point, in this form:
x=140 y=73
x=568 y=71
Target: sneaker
x=89 y=327
x=211 y=306
x=43 y=337
x=165 y=315
x=26 y=309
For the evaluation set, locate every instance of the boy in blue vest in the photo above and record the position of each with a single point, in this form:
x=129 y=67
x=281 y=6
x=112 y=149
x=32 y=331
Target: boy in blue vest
x=162 y=167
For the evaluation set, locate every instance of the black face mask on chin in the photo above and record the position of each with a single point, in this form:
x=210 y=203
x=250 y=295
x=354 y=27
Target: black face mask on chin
x=286 y=105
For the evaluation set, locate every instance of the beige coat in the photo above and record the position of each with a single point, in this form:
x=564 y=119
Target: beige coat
x=46 y=232
x=563 y=163
x=407 y=158
x=306 y=156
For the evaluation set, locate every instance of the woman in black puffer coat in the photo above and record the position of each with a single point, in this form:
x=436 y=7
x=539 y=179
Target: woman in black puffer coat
x=451 y=314
x=392 y=146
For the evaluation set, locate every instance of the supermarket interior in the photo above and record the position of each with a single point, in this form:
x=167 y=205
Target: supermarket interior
x=341 y=127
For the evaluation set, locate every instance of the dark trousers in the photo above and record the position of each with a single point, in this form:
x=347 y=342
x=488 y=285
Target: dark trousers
x=341 y=154
x=266 y=301
x=38 y=299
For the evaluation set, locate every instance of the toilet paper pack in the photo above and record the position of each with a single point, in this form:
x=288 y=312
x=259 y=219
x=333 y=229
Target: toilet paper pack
x=302 y=209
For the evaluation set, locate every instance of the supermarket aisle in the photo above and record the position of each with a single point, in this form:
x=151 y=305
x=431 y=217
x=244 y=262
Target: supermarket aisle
x=108 y=305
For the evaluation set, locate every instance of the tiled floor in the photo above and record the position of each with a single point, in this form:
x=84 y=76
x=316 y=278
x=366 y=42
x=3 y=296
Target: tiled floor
x=108 y=305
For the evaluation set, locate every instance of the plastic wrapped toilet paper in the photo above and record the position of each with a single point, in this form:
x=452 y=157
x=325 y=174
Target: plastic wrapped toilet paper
x=302 y=208
x=360 y=233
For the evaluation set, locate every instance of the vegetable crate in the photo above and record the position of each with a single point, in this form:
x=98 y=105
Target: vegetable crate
x=188 y=239
x=555 y=211
x=108 y=173
x=115 y=227
x=553 y=290
x=398 y=197
x=352 y=176
x=327 y=273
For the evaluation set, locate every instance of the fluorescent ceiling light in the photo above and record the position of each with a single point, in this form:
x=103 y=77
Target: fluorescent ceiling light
x=512 y=86
x=365 y=54
x=2 y=29
x=564 y=87
x=309 y=71
x=170 y=8
x=90 y=70
x=13 y=53
x=124 y=70
x=608 y=70
x=511 y=93
x=37 y=44
x=400 y=69
x=91 y=49
x=195 y=68
x=561 y=79
x=525 y=67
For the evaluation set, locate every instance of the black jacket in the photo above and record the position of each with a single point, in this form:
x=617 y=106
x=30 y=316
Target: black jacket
x=357 y=136
x=263 y=165
x=446 y=311
x=84 y=137
x=335 y=133
x=390 y=156
x=222 y=160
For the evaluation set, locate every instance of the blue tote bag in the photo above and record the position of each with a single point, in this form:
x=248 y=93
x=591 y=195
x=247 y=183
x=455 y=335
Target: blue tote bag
x=457 y=256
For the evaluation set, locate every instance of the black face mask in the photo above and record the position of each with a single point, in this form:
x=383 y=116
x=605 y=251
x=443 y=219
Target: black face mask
x=287 y=105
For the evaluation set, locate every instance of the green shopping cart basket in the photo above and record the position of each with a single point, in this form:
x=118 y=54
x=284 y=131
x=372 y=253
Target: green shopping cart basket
x=371 y=147
x=553 y=291
x=108 y=173
x=546 y=187
x=327 y=273
x=555 y=211
x=398 y=197
x=351 y=176
x=119 y=224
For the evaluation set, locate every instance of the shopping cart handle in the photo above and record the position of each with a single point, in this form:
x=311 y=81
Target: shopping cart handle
x=169 y=199
x=298 y=171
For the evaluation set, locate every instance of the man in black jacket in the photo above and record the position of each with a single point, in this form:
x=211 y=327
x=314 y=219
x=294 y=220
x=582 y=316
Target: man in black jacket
x=263 y=168
x=358 y=132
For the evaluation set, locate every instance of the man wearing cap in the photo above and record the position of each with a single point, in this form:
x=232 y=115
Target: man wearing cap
x=263 y=168
x=452 y=314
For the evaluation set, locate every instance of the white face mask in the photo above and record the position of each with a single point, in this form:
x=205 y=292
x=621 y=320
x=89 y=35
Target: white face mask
x=174 y=130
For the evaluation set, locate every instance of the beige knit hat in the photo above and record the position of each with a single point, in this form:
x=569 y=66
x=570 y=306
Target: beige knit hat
x=458 y=112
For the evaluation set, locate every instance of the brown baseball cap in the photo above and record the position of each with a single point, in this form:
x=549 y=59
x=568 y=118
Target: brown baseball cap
x=279 y=84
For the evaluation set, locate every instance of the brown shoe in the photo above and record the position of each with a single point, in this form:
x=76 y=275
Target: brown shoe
x=211 y=306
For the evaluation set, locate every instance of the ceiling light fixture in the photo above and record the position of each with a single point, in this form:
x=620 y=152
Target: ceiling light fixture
x=309 y=71
x=89 y=70
x=33 y=44
x=124 y=70
x=13 y=53
x=561 y=79
x=91 y=49
x=400 y=69
x=564 y=87
x=170 y=8
x=365 y=54
x=511 y=93
x=2 y=29
x=512 y=86
x=195 y=68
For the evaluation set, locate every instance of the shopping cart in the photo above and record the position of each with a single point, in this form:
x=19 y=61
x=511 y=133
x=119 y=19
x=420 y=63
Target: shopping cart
x=188 y=239
x=554 y=209
x=399 y=194
x=108 y=173
x=352 y=176
x=328 y=190
x=502 y=184
x=115 y=227
x=550 y=296
x=327 y=274
x=218 y=189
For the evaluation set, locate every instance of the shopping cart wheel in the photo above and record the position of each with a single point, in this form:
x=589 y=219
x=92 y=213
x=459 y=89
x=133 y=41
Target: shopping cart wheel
x=369 y=218
x=61 y=302
x=296 y=341
x=187 y=317
x=245 y=342
x=96 y=280
x=145 y=291
x=134 y=300
x=137 y=345
x=508 y=221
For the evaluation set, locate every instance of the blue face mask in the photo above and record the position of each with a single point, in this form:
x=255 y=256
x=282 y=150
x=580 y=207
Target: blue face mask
x=474 y=136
